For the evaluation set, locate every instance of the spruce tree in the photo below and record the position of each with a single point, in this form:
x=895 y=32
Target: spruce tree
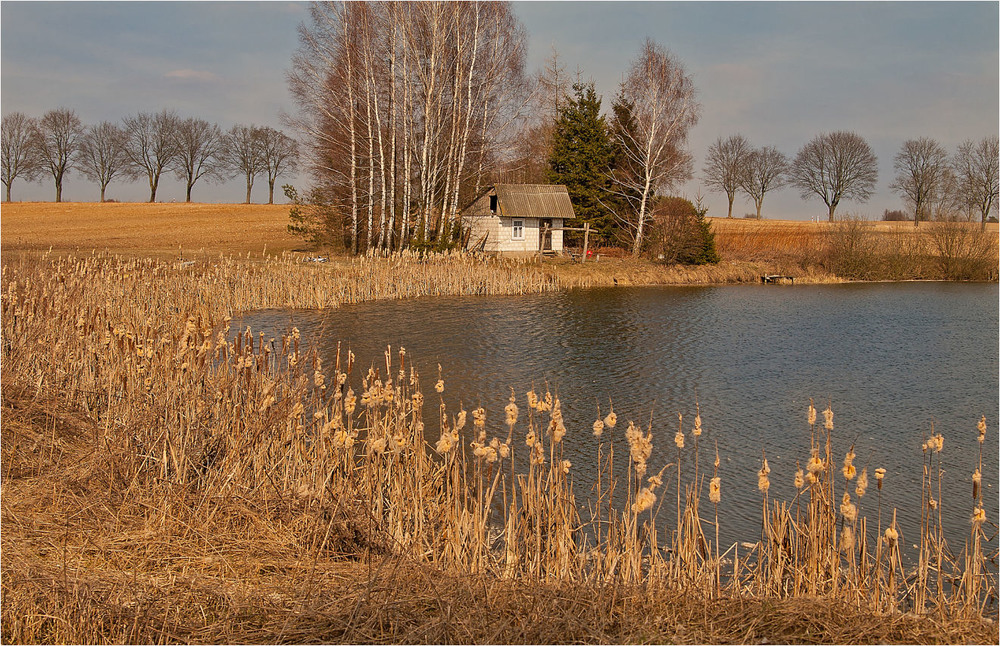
x=582 y=153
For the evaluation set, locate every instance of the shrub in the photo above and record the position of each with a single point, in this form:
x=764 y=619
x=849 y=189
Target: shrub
x=895 y=216
x=680 y=233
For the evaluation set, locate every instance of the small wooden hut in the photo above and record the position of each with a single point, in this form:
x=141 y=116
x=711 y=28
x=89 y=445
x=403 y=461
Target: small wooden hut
x=518 y=219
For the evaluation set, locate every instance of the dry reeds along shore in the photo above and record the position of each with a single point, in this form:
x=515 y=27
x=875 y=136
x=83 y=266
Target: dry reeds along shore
x=168 y=478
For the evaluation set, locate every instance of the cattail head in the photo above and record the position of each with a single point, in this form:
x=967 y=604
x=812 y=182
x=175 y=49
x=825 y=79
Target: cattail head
x=815 y=466
x=847 y=509
x=679 y=439
x=981 y=427
x=696 y=431
x=529 y=439
x=763 y=482
x=532 y=399
x=444 y=444
x=643 y=500
x=654 y=482
x=862 y=483
x=714 y=493
x=891 y=535
x=812 y=413
x=566 y=464
x=511 y=410
x=598 y=428
x=977 y=480
x=611 y=419
x=828 y=418
x=879 y=475
x=479 y=418
x=799 y=479
x=938 y=443
x=439 y=386
x=933 y=504
x=978 y=516
x=460 y=420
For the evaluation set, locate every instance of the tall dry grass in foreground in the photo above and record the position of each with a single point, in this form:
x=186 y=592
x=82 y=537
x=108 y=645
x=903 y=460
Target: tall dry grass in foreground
x=166 y=478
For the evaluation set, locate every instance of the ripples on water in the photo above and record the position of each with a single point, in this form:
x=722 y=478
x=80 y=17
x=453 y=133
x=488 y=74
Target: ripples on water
x=893 y=359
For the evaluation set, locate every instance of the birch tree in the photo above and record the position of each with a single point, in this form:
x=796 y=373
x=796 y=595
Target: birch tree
x=664 y=110
x=102 y=155
x=19 y=153
x=725 y=164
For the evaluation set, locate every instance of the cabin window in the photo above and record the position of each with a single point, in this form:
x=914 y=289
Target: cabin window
x=493 y=203
x=517 y=230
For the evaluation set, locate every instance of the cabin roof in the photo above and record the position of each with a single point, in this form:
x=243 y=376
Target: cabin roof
x=533 y=200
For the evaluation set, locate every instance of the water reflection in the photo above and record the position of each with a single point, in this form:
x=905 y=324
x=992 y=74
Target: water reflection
x=893 y=360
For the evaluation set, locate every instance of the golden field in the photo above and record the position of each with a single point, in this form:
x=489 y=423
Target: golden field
x=141 y=229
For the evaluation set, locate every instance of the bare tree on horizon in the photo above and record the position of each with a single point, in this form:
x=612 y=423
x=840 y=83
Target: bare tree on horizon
x=280 y=154
x=835 y=166
x=102 y=155
x=977 y=167
x=920 y=167
x=20 y=155
x=725 y=164
x=199 y=150
x=152 y=145
x=243 y=153
x=57 y=139
x=763 y=171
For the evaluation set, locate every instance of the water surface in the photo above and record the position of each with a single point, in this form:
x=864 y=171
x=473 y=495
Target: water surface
x=894 y=360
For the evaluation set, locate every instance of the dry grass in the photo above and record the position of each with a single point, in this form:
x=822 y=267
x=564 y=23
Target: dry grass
x=168 y=479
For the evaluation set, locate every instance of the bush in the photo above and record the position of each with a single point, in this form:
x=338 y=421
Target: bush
x=681 y=234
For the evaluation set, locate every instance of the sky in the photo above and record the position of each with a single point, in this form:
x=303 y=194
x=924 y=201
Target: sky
x=778 y=73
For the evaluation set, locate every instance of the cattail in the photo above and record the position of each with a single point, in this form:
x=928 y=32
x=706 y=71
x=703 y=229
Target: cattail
x=598 y=428
x=977 y=479
x=350 y=401
x=847 y=539
x=529 y=439
x=828 y=417
x=643 y=500
x=982 y=429
x=444 y=444
x=511 y=410
x=847 y=508
x=504 y=450
x=933 y=504
x=439 y=386
x=763 y=482
x=679 y=439
x=815 y=466
x=862 y=483
x=654 y=482
x=697 y=426
x=319 y=379
x=891 y=535
x=879 y=475
x=611 y=420
x=532 y=399
x=538 y=454
x=714 y=493
x=460 y=420
x=479 y=418
x=978 y=516
x=812 y=413
x=566 y=464
x=377 y=446
x=799 y=479
x=939 y=443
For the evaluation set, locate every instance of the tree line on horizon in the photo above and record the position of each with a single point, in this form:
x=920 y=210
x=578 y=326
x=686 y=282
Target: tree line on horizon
x=143 y=145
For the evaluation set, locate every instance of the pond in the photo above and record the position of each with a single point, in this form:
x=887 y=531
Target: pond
x=894 y=360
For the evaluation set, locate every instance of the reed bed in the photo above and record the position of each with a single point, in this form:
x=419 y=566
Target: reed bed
x=167 y=478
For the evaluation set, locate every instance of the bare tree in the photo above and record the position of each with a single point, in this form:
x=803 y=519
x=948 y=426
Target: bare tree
x=977 y=170
x=57 y=139
x=20 y=156
x=835 y=166
x=199 y=150
x=402 y=107
x=244 y=153
x=664 y=108
x=280 y=154
x=724 y=165
x=920 y=167
x=152 y=145
x=102 y=155
x=764 y=170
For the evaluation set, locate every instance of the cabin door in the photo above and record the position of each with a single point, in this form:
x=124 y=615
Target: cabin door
x=545 y=231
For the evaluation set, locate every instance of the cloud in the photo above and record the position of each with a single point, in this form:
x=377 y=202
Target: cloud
x=192 y=75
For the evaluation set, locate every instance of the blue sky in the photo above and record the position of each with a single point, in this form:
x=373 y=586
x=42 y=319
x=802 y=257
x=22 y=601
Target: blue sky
x=779 y=73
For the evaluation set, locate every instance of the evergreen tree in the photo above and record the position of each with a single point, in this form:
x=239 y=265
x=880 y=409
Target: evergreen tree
x=626 y=165
x=582 y=153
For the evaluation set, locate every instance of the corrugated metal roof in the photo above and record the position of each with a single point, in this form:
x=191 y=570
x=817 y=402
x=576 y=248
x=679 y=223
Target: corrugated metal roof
x=534 y=201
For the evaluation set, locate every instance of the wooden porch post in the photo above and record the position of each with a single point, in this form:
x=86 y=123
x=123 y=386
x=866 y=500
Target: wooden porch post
x=586 y=235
